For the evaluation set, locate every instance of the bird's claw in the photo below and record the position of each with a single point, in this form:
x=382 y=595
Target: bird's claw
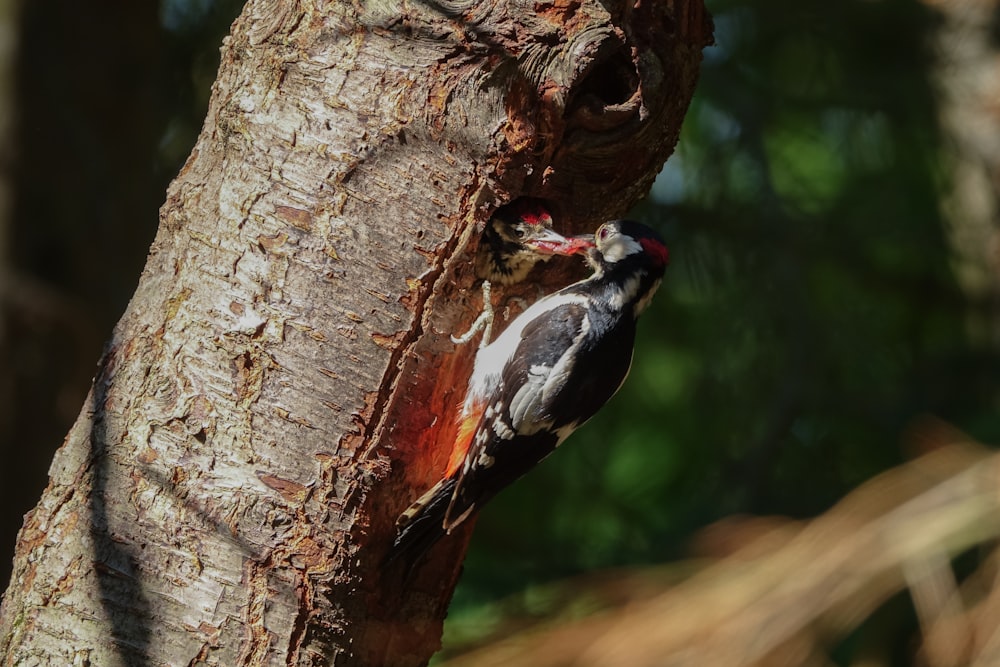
x=483 y=323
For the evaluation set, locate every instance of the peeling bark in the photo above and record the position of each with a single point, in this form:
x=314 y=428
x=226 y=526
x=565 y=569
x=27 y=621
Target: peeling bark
x=282 y=384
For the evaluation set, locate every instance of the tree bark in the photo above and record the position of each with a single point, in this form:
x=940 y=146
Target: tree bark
x=282 y=384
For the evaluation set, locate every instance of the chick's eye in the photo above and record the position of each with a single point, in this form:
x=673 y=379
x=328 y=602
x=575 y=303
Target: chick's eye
x=520 y=232
x=602 y=234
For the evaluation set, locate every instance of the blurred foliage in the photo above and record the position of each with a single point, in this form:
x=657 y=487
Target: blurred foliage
x=774 y=592
x=810 y=314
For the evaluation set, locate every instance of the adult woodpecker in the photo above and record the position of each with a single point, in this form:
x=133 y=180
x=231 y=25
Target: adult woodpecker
x=549 y=372
x=518 y=237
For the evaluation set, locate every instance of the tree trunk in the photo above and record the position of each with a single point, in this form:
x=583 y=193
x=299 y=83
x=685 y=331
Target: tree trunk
x=282 y=384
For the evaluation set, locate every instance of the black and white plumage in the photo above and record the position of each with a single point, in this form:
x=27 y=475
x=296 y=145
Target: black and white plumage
x=549 y=372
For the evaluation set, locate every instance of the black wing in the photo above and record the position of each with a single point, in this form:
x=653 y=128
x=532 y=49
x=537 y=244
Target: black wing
x=563 y=371
x=601 y=364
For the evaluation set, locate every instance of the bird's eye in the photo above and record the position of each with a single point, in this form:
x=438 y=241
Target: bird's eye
x=520 y=232
x=603 y=233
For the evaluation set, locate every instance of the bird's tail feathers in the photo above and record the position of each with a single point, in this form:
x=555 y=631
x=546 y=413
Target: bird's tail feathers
x=422 y=524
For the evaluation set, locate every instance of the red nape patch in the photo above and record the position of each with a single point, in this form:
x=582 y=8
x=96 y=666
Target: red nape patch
x=656 y=250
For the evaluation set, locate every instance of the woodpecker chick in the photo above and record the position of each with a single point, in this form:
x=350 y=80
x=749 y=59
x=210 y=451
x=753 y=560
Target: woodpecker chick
x=549 y=372
x=517 y=237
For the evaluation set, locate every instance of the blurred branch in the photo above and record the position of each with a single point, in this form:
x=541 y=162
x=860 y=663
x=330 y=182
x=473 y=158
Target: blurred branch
x=967 y=77
x=9 y=14
x=935 y=596
x=791 y=589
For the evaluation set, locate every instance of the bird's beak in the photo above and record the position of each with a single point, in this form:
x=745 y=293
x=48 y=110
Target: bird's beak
x=551 y=243
x=575 y=245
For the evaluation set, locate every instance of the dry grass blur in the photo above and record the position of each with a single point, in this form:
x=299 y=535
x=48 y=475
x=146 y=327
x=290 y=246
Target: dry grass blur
x=775 y=592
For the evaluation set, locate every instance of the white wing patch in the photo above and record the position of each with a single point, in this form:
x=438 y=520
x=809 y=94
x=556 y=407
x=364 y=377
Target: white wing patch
x=541 y=386
x=560 y=372
x=524 y=404
x=501 y=429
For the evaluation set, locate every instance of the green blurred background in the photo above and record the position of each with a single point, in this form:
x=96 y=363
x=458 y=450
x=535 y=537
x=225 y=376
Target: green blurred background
x=832 y=215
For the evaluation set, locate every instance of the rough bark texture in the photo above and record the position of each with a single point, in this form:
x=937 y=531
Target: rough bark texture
x=282 y=383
